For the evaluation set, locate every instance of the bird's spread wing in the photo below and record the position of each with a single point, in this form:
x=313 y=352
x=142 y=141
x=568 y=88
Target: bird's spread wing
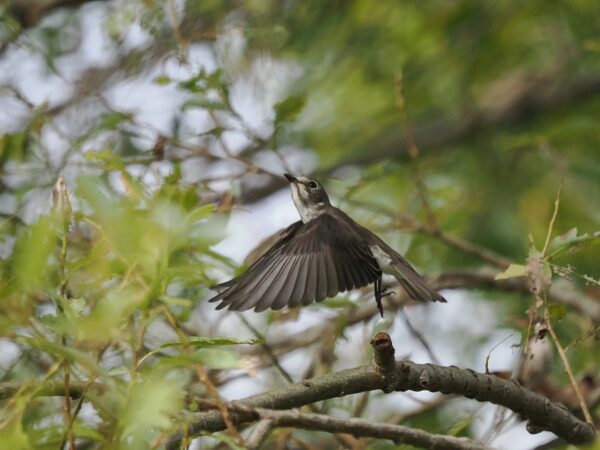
x=409 y=278
x=309 y=262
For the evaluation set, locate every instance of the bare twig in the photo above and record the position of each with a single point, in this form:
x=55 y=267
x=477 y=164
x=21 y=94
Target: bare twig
x=540 y=293
x=267 y=348
x=63 y=210
x=552 y=220
x=423 y=409
x=419 y=336
x=259 y=434
x=413 y=151
x=565 y=360
x=356 y=427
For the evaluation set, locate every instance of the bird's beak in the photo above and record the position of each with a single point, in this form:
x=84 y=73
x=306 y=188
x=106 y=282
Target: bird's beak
x=290 y=178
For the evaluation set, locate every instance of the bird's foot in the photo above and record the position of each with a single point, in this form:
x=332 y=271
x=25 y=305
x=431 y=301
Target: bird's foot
x=381 y=293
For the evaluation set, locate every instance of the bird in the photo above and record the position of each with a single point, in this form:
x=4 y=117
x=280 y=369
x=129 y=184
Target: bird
x=322 y=254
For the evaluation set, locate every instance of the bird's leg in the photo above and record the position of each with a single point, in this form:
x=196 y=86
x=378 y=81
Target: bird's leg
x=378 y=295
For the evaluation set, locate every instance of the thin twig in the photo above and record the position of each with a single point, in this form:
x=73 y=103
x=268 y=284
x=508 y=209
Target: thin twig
x=63 y=210
x=419 y=336
x=259 y=434
x=266 y=347
x=542 y=296
x=413 y=151
x=567 y=366
x=552 y=220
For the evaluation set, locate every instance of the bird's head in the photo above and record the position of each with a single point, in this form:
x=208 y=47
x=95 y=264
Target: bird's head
x=309 y=196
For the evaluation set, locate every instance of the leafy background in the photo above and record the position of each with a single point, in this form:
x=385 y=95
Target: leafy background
x=171 y=122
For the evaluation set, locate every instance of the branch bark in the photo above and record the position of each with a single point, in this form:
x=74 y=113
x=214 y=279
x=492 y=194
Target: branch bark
x=389 y=375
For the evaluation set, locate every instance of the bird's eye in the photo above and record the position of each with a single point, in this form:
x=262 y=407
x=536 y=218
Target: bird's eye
x=312 y=185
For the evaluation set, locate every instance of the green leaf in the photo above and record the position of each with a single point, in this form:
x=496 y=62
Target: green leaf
x=206 y=341
x=200 y=213
x=12 y=146
x=109 y=315
x=513 y=271
x=215 y=358
x=33 y=251
x=88 y=432
x=162 y=80
x=106 y=158
x=288 y=109
x=152 y=403
x=459 y=426
x=204 y=103
x=175 y=301
x=82 y=358
x=338 y=302
x=12 y=435
x=557 y=311
x=111 y=120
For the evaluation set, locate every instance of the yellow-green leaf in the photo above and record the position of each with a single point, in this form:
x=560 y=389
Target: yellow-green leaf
x=513 y=271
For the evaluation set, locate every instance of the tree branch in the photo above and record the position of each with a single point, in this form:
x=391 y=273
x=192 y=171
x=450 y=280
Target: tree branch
x=356 y=427
x=389 y=375
x=30 y=12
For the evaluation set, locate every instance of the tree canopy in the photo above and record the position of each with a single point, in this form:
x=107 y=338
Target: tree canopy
x=142 y=147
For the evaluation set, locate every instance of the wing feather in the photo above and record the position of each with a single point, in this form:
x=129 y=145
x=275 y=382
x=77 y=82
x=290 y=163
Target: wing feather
x=310 y=294
x=309 y=262
x=295 y=298
x=333 y=286
x=321 y=275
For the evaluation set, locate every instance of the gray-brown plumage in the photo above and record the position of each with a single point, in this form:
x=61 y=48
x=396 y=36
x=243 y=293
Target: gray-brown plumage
x=324 y=253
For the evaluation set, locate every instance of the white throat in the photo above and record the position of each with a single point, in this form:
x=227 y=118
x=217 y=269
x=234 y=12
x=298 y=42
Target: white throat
x=306 y=210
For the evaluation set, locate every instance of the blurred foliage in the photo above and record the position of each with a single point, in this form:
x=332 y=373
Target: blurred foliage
x=240 y=85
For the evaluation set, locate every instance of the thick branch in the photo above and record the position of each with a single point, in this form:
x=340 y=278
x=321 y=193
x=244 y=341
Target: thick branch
x=409 y=376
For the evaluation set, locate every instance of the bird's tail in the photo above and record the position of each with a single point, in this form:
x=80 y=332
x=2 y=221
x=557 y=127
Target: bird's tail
x=414 y=285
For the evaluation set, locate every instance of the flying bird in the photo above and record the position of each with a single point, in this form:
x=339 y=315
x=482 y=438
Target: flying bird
x=324 y=253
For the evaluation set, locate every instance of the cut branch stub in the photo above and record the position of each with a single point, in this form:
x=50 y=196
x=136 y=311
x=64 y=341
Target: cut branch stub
x=384 y=360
